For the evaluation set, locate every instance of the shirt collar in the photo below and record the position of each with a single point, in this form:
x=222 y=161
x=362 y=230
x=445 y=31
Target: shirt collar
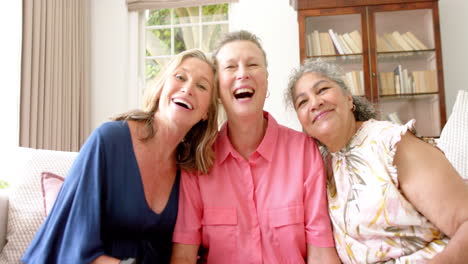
x=265 y=149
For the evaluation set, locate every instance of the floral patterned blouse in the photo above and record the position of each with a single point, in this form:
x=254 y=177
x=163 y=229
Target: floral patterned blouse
x=373 y=222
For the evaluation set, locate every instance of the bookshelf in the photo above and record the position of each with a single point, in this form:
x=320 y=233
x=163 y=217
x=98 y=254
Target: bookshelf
x=389 y=49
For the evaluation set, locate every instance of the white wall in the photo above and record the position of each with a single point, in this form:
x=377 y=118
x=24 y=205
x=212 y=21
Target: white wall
x=277 y=28
x=10 y=54
x=275 y=22
x=109 y=54
x=454 y=34
x=110 y=65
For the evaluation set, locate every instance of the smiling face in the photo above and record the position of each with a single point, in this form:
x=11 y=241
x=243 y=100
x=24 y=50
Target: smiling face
x=242 y=78
x=323 y=109
x=186 y=93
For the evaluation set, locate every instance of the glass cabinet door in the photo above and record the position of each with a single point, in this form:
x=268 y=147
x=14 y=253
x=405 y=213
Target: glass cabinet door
x=406 y=67
x=338 y=37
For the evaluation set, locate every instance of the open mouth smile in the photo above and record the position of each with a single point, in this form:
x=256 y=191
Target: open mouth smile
x=181 y=102
x=243 y=93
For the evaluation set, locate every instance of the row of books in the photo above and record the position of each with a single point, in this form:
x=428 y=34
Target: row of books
x=397 y=42
x=332 y=43
x=354 y=80
x=401 y=81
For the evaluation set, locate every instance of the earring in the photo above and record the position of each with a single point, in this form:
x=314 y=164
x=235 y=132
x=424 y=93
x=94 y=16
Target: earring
x=268 y=94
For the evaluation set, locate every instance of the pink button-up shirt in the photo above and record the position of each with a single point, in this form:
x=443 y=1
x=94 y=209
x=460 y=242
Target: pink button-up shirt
x=261 y=210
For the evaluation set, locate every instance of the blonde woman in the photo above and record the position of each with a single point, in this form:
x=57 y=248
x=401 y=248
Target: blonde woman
x=120 y=199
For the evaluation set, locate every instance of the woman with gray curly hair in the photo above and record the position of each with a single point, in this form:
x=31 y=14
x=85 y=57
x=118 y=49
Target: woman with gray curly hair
x=386 y=187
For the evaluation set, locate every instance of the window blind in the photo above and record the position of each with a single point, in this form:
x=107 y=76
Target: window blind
x=139 y=5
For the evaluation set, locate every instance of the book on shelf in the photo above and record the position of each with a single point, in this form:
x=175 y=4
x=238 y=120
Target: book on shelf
x=401 y=42
x=398 y=42
x=408 y=40
x=326 y=44
x=415 y=40
x=316 y=41
x=354 y=80
x=387 y=83
x=335 y=40
x=319 y=43
x=382 y=45
x=332 y=43
x=425 y=81
x=356 y=36
x=399 y=81
x=353 y=46
x=346 y=48
x=392 y=42
x=309 y=44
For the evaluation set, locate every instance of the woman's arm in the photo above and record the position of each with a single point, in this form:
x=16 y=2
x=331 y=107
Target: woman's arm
x=325 y=255
x=434 y=187
x=184 y=254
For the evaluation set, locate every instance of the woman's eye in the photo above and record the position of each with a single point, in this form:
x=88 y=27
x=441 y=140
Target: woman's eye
x=179 y=77
x=300 y=103
x=201 y=86
x=323 y=89
x=253 y=64
x=230 y=67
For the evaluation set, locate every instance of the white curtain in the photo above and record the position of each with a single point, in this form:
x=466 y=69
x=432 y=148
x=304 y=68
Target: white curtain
x=54 y=110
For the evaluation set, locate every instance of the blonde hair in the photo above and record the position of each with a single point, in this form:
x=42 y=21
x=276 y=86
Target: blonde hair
x=196 y=150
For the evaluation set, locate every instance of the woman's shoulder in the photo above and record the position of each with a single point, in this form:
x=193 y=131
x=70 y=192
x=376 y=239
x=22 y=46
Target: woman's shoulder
x=382 y=133
x=290 y=135
x=382 y=128
x=112 y=131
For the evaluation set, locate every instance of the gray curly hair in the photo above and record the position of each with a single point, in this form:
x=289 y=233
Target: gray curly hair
x=364 y=110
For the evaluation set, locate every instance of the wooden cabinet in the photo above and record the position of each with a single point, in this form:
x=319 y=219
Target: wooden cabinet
x=389 y=49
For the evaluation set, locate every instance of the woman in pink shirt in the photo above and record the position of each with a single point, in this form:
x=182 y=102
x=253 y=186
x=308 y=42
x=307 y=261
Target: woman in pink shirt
x=264 y=200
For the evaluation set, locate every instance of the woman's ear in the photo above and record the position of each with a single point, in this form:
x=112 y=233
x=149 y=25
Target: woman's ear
x=351 y=101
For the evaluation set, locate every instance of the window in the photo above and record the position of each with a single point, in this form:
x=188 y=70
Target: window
x=170 y=31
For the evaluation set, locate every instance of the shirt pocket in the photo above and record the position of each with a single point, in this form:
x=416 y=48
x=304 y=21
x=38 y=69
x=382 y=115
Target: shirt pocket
x=288 y=233
x=219 y=234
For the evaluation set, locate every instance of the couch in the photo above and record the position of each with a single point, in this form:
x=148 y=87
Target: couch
x=39 y=173
x=36 y=178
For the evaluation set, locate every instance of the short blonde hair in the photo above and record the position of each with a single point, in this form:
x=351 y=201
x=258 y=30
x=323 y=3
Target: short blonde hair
x=196 y=151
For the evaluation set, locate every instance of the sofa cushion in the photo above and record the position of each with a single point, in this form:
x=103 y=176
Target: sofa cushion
x=453 y=140
x=26 y=210
x=51 y=184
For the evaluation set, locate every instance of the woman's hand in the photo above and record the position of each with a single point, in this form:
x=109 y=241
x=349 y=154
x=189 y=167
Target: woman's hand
x=434 y=187
x=184 y=254
x=105 y=260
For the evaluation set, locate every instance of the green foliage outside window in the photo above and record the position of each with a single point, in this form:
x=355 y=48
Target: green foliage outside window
x=3 y=184
x=158 y=41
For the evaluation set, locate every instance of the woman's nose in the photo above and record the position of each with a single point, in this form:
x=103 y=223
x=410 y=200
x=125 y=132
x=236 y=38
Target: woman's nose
x=187 y=88
x=315 y=102
x=242 y=73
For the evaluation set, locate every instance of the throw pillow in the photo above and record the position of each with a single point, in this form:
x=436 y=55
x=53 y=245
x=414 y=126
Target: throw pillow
x=26 y=207
x=51 y=184
x=453 y=140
